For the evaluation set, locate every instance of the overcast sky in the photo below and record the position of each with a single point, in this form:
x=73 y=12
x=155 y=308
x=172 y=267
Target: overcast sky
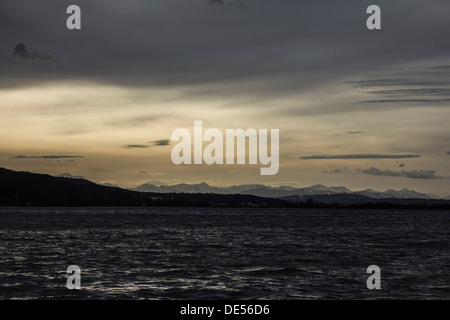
x=355 y=107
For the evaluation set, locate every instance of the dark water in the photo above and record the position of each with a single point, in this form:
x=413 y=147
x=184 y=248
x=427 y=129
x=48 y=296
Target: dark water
x=188 y=253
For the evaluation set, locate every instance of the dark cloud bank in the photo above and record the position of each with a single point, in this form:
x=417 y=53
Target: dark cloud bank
x=280 y=47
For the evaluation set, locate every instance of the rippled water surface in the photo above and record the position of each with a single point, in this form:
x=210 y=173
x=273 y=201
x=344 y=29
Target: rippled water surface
x=199 y=253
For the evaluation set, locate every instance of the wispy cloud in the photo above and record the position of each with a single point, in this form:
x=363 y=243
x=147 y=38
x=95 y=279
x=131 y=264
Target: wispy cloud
x=413 y=92
x=160 y=142
x=21 y=51
x=425 y=85
x=373 y=171
x=412 y=174
x=406 y=101
x=397 y=83
x=359 y=156
x=135 y=146
x=144 y=146
x=51 y=157
x=340 y=133
x=338 y=171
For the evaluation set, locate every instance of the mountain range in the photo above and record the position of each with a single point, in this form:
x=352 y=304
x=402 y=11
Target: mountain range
x=30 y=189
x=283 y=191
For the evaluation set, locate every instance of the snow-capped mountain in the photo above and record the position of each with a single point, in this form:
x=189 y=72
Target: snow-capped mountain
x=282 y=191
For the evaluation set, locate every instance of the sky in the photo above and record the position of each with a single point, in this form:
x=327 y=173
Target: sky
x=355 y=107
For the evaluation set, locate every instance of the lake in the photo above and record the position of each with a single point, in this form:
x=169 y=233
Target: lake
x=223 y=253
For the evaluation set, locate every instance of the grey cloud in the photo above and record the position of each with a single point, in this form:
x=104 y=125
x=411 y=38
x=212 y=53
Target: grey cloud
x=340 y=133
x=160 y=142
x=134 y=146
x=338 y=171
x=21 y=51
x=360 y=156
x=413 y=174
x=406 y=101
x=373 y=171
x=216 y=2
x=445 y=66
x=238 y=3
x=143 y=146
x=283 y=47
x=51 y=157
x=377 y=172
x=212 y=2
x=434 y=88
x=396 y=82
x=416 y=87
x=414 y=92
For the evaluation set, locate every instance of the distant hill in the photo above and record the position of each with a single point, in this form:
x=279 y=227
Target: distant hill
x=25 y=188
x=283 y=191
x=31 y=189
